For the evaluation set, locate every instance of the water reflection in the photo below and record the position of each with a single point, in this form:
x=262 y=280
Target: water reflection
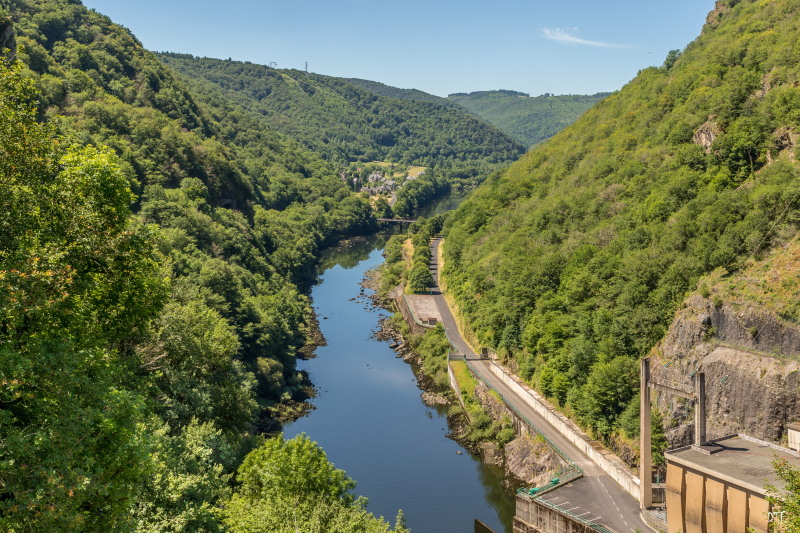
x=371 y=421
x=443 y=205
x=351 y=252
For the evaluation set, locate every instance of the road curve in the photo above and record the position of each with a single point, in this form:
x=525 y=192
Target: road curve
x=596 y=496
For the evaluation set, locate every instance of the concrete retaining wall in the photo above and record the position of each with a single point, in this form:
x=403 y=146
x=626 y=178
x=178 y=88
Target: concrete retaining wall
x=454 y=384
x=416 y=327
x=533 y=516
x=609 y=462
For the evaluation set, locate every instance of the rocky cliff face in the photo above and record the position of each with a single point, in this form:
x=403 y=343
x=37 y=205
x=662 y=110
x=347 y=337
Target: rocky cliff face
x=8 y=43
x=751 y=360
x=715 y=15
x=530 y=460
x=527 y=460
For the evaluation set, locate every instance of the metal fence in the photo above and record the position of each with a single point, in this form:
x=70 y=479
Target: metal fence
x=591 y=525
x=563 y=475
x=570 y=463
x=570 y=471
x=452 y=344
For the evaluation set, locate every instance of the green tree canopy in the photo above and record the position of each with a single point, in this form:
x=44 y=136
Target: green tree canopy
x=78 y=284
x=289 y=485
x=786 y=499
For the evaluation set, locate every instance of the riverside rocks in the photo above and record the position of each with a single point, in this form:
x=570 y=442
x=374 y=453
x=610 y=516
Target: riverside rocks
x=431 y=399
x=525 y=460
x=752 y=381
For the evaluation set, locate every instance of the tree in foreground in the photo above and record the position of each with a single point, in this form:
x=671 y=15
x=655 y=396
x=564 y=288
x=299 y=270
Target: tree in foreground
x=788 y=499
x=289 y=486
x=78 y=285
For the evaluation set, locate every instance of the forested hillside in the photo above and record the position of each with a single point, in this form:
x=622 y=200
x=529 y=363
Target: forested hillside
x=346 y=123
x=382 y=89
x=529 y=120
x=572 y=263
x=190 y=167
x=153 y=258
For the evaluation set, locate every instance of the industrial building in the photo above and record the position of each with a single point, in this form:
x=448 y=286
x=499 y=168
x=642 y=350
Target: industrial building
x=719 y=486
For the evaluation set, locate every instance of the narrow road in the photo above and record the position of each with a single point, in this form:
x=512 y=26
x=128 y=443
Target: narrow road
x=596 y=496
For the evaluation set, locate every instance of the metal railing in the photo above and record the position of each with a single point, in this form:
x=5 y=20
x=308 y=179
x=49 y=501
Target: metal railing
x=533 y=491
x=566 y=458
x=592 y=525
x=452 y=344
x=565 y=473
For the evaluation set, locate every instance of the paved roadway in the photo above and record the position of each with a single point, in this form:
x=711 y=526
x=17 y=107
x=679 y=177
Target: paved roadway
x=596 y=496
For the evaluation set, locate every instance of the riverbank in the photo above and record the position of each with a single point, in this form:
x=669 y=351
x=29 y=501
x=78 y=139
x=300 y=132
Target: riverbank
x=348 y=253
x=479 y=421
x=389 y=331
x=371 y=422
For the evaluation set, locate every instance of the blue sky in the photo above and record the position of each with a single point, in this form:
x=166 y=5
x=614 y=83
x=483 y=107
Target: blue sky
x=438 y=46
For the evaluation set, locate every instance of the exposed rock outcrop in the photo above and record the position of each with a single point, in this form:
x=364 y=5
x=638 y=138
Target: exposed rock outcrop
x=750 y=359
x=784 y=142
x=705 y=134
x=526 y=459
x=715 y=15
x=7 y=39
x=530 y=460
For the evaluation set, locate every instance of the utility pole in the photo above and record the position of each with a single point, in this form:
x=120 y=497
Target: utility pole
x=700 y=409
x=645 y=442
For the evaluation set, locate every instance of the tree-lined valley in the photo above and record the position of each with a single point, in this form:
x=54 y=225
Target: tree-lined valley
x=164 y=217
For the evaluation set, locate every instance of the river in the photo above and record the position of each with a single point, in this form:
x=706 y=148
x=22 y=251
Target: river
x=371 y=421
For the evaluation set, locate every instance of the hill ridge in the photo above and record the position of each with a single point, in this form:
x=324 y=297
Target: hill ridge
x=573 y=261
x=530 y=120
x=346 y=122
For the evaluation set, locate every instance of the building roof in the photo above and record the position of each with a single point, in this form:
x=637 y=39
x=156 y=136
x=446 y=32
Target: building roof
x=738 y=459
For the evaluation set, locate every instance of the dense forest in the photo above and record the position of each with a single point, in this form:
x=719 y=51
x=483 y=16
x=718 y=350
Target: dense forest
x=345 y=122
x=381 y=89
x=154 y=256
x=572 y=263
x=162 y=217
x=529 y=120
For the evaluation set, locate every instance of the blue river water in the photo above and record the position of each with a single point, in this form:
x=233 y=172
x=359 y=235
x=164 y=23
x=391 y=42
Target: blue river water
x=372 y=423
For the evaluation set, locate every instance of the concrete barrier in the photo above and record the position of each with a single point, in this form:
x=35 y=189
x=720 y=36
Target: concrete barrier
x=416 y=327
x=454 y=382
x=606 y=460
x=539 y=516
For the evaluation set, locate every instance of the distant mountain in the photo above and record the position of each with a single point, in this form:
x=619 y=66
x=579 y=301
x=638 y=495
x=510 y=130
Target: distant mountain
x=529 y=120
x=345 y=122
x=382 y=89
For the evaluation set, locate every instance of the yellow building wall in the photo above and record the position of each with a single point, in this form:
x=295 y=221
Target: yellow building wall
x=699 y=504
x=759 y=513
x=794 y=439
x=737 y=510
x=716 y=507
x=695 y=503
x=676 y=492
